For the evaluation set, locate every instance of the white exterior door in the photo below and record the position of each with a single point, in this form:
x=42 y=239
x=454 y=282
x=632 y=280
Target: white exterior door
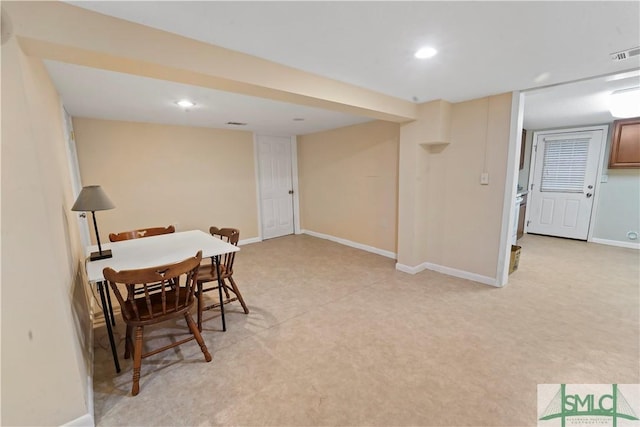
x=565 y=176
x=276 y=185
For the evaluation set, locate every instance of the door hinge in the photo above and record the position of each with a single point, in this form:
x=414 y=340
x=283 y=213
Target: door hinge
x=531 y=188
x=290 y=191
x=528 y=222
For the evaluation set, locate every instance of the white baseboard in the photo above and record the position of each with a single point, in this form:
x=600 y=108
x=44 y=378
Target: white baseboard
x=84 y=421
x=448 y=271
x=249 y=241
x=410 y=270
x=629 y=245
x=346 y=242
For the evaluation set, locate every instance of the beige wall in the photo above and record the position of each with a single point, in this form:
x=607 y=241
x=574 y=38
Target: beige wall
x=45 y=316
x=348 y=180
x=446 y=217
x=158 y=175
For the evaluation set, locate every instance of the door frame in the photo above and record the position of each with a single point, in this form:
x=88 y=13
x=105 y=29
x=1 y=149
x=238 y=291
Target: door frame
x=596 y=187
x=74 y=173
x=294 y=182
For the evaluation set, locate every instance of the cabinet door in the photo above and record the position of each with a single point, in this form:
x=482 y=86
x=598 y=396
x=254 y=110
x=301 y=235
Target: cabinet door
x=625 y=144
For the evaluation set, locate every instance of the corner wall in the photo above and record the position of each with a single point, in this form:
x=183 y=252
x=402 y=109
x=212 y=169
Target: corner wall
x=453 y=222
x=46 y=327
x=618 y=210
x=348 y=180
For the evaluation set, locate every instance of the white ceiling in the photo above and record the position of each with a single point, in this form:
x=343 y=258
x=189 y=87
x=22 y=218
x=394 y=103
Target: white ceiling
x=484 y=48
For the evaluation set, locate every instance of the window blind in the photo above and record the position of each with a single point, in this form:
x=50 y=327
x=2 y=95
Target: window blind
x=564 y=165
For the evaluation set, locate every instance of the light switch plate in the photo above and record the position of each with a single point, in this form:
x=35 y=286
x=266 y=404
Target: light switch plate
x=484 y=178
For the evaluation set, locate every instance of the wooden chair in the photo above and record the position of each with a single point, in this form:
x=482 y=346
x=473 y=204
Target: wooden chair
x=136 y=234
x=207 y=274
x=174 y=298
x=142 y=232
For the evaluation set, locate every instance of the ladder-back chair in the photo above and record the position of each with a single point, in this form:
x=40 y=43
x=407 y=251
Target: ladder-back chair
x=208 y=274
x=174 y=297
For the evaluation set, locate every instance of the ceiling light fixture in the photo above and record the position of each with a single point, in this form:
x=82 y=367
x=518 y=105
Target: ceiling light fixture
x=625 y=103
x=185 y=103
x=425 y=52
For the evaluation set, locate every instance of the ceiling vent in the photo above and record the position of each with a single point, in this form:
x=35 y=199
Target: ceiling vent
x=625 y=54
x=236 y=123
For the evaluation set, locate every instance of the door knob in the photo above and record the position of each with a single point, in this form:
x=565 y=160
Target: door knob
x=589 y=195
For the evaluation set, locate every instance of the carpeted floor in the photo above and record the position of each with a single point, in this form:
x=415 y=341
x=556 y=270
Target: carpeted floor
x=336 y=336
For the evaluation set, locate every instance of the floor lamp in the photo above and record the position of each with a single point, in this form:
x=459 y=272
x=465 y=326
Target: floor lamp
x=91 y=199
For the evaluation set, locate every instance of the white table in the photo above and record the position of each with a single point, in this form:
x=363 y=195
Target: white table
x=149 y=252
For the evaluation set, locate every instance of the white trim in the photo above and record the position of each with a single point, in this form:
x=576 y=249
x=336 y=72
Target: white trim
x=85 y=420
x=448 y=271
x=296 y=188
x=410 y=270
x=618 y=243
x=350 y=243
x=596 y=187
x=510 y=190
x=249 y=241
x=257 y=176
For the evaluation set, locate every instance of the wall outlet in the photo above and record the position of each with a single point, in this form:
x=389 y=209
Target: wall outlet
x=484 y=178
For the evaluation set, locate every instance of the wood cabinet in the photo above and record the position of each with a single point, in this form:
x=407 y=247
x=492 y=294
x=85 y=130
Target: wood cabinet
x=521 y=214
x=625 y=144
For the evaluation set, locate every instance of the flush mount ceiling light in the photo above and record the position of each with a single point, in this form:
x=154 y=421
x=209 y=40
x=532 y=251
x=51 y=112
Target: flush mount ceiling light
x=185 y=103
x=425 y=52
x=625 y=103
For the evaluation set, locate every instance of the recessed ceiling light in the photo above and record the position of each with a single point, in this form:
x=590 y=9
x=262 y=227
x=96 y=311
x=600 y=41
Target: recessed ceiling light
x=625 y=103
x=425 y=52
x=542 y=77
x=185 y=103
x=298 y=119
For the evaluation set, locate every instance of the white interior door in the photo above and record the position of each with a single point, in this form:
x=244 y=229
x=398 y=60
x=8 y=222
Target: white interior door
x=565 y=176
x=74 y=169
x=276 y=185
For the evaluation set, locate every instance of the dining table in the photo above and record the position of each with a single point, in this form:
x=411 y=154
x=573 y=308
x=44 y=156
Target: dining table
x=150 y=252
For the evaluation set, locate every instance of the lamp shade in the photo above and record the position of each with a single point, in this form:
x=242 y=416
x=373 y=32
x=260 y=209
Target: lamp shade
x=92 y=198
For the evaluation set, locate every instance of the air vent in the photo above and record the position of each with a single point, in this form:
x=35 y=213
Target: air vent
x=625 y=54
x=236 y=123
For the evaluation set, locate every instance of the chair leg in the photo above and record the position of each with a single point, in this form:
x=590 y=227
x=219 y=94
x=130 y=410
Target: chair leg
x=137 y=361
x=196 y=334
x=238 y=294
x=199 y=306
x=127 y=342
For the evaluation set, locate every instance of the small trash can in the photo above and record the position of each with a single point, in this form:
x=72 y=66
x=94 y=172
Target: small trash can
x=515 y=258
